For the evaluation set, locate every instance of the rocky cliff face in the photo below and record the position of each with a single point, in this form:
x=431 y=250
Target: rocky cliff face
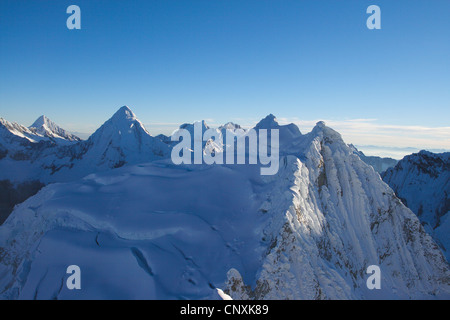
x=422 y=182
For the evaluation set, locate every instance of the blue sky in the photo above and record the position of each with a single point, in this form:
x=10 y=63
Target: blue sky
x=229 y=60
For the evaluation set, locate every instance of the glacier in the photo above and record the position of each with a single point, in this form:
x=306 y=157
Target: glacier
x=154 y=230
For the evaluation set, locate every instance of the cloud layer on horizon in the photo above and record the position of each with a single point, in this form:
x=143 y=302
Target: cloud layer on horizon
x=370 y=136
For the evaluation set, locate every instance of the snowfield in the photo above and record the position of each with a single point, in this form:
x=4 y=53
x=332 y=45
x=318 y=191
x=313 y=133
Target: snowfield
x=160 y=231
x=142 y=232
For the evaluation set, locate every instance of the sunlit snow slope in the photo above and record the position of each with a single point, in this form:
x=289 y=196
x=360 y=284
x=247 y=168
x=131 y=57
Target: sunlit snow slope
x=160 y=231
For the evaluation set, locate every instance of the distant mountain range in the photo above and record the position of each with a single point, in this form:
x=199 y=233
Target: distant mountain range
x=45 y=127
x=50 y=154
x=378 y=163
x=141 y=227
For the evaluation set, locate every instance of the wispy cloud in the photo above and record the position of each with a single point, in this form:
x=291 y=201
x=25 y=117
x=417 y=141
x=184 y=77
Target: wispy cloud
x=366 y=132
x=371 y=136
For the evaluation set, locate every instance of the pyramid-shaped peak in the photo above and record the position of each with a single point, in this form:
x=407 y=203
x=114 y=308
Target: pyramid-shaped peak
x=124 y=113
x=42 y=120
x=44 y=123
x=123 y=122
x=44 y=126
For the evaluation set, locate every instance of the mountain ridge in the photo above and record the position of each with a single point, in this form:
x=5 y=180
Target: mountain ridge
x=309 y=232
x=48 y=128
x=422 y=182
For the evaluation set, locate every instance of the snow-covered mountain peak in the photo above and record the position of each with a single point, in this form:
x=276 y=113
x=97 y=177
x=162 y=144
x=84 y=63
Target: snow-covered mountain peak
x=421 y=181
x=51 y=154
x=309 y=232
x=190 y=126
x=269 y=122
x=41 y=121
x=288 y=132
x=123 y=122
x=321 y=124
x=13 y=127
x=229 y=126
x=12 y=131
x=124 y=114
x=47 y=128
x=121 y=140
x=329 y=134
x=425 y=162
x=430 y=158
